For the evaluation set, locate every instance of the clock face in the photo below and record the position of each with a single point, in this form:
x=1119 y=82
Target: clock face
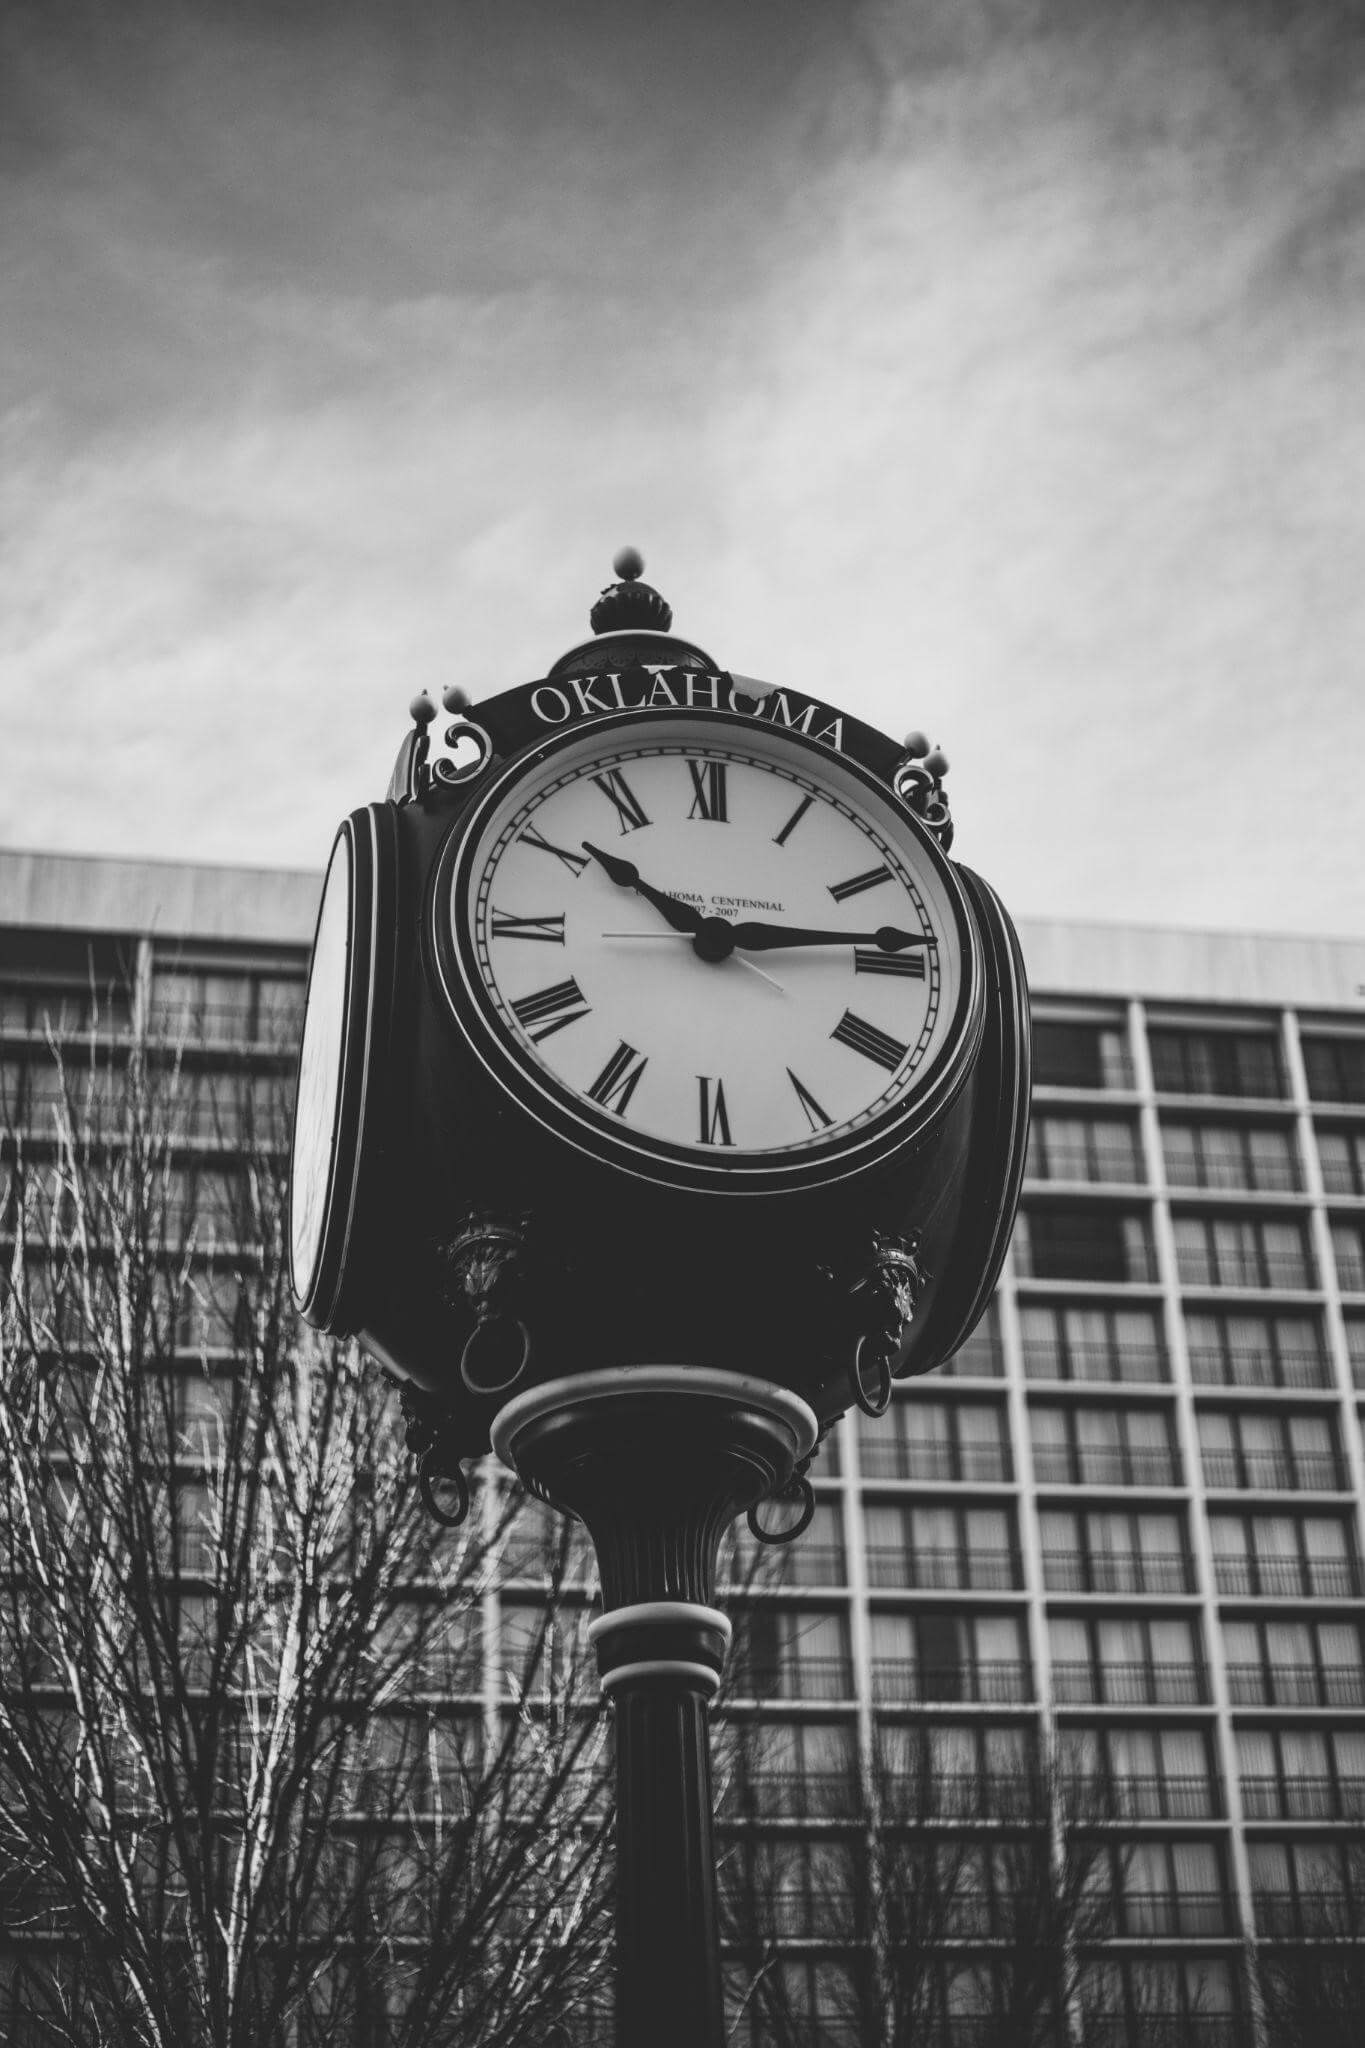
x=345 y=1026
x=320 y=1073
x=709 y=950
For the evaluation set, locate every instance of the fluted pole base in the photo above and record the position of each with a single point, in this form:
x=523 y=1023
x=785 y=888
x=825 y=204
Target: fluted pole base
x=657 y=1461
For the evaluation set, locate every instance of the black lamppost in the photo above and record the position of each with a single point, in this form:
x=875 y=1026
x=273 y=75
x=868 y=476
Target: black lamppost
x=663 y=1092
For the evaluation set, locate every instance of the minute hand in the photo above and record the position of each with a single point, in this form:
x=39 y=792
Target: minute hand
x=768 y=938
x=681 y=916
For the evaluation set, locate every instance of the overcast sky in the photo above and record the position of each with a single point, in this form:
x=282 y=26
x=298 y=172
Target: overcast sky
x=990 y=366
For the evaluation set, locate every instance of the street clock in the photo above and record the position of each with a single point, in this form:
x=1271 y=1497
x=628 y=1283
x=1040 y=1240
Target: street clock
x=651 y=1019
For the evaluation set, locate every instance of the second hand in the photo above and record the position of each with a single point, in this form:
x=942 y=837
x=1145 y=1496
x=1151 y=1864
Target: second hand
x=752 y=966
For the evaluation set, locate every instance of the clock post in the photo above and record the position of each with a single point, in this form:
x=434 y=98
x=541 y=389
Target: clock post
x=663 y=1094
x=657 y=1461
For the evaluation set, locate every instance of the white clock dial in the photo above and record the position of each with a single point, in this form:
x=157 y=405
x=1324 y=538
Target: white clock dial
x=816 y=985
x=320 y=1073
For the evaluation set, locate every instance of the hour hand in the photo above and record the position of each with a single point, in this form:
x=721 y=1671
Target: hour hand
x=680 y=916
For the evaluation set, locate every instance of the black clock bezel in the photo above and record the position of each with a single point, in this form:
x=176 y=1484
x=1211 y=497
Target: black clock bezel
x=371 y=928
x=556 y=1109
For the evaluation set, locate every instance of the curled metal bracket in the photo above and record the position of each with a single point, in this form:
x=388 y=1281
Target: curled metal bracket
x=921 y=790
x=457 y=772
x=486 y=1268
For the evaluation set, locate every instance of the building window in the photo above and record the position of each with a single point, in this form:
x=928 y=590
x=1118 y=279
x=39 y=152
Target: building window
x=1294 y=1663
x=792 y=1653
x=1269 y=1452
x=1075 y=1055
x=1260 y=1159
x=932 y=1439
x=1335 y=1067
x=1084 y=1242
x=1114 y=1551
x=213 y=1107
x=1084 y=1148
x=1342 y=1156
x=1280 y=1557
x=194 y=1006
x=1355 y=1348
x=1126 y=1773
x=1239 y=1251
x=940 y=1655
x=1169 y=1889
x=982 y=1356
x=1348 y=1249
x=1074 y=1446
x=816 y=1558
x=1245 y=1063
x=1128 y=1661
x=1305 y=1890
x=943 y=1546
x=1092 y=1343
x=63 y=986
x=1255 y=1350
x=959 y=1769
x=1132 y=2004
x=1301 y=1774
x=789 y=1888
x=793 y=1770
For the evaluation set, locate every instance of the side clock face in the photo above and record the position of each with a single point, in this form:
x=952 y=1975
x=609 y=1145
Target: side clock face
x=709 y=951
x=344 y=1020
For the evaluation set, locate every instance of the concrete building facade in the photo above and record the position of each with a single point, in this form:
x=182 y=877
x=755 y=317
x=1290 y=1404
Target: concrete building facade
x=1124 y=1528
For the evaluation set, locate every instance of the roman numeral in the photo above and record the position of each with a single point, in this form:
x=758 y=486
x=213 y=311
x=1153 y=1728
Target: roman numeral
x=856 y=884
x=715 y=1121
x=781 y=838
x=550 y=929
x=872 y=960
x=554 y=1007
x=618 y=791
x=618 y=1080
x=574 y=862
x=818 y=1119
x=860 y=1036
x=708 y=786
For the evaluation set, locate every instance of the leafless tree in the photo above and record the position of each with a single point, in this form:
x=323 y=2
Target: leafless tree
x=916 y=1907
x=255 y=1791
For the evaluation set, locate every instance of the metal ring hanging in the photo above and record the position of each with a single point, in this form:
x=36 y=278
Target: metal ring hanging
x=493 y=1381
x=799 y=1487
x=878 y=1402
x=426 y=1487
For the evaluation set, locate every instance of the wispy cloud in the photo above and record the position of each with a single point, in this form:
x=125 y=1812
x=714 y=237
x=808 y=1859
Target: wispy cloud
x=990 y=368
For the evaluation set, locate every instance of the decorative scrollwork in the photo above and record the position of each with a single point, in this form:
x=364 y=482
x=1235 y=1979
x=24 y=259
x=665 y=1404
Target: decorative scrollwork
x=486 y=1268
x=464 y=732
x=918 y=782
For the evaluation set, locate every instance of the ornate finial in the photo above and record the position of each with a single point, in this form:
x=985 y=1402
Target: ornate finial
x=630 y=603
